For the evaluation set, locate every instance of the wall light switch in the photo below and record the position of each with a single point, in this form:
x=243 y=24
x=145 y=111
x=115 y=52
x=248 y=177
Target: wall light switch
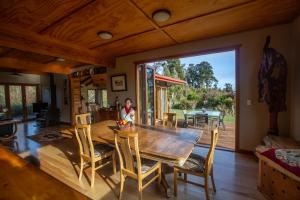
x=249 y=102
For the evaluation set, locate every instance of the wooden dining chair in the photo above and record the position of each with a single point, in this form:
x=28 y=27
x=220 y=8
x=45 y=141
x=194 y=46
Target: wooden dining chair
x=83 y=119
x=199 y=166
x=91 y=154
x=170 y=120
x=131 y=164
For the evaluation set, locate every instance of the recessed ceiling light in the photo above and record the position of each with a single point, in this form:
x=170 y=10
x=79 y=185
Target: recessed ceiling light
x=161 y=15
x=60 y=59
x=105 y=35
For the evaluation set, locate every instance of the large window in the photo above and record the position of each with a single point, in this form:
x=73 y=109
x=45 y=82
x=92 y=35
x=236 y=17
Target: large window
x=19 y=101
x=2 y=96
x=103 y=97
x=91 y=96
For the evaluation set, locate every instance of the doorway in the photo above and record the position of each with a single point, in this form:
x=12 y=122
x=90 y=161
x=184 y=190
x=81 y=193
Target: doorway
x=210 y=88
x=18 y=100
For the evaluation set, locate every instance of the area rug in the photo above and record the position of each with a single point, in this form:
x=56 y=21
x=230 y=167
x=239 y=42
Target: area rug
x=47 y=135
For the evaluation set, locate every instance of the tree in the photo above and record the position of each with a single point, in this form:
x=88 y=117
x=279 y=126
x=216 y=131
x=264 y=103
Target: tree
x=201 y=75
x=171 y=67
x=228 y=88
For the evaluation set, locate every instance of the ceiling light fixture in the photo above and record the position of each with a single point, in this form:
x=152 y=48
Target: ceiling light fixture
x=105 y=35
x=161 y=15
x=60 y=59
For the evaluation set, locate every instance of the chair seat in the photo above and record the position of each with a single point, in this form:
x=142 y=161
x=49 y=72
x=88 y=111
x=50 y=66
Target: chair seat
x=102 y=149
x=195 y=163
x=147 y=165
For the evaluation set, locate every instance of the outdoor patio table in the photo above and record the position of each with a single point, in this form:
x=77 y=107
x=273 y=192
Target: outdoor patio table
x=212 y=114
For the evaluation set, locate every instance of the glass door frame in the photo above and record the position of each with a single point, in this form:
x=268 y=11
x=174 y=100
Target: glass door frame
x=23 y=93
x=236 y=49
x=144 y=94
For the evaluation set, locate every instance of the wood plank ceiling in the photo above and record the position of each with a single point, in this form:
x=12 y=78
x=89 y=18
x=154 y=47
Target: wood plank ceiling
x=34 y=33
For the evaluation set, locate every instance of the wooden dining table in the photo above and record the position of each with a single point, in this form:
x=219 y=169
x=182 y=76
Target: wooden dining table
x=169 y=146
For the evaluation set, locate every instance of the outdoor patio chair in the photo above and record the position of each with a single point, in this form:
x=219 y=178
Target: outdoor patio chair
x=201 y=120
x=221 y=120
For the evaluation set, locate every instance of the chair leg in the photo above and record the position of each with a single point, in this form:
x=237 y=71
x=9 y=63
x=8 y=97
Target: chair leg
x=114 y=162
x=140 y=187
x=93 y=174
x=185 y=177
x=212 y=180
x=122 y=180
x=175 y=182
x=81 y=168
x=159 y=175
x=206 y=187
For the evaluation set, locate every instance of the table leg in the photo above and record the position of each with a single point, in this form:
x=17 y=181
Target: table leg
x=165 y=186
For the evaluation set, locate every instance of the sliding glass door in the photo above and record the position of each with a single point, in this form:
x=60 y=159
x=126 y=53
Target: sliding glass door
x=18 y=99
x=31 y=97
x=146 y=95
x=16 y=104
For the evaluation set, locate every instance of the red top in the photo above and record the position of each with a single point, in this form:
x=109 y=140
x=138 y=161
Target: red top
x=127 y=110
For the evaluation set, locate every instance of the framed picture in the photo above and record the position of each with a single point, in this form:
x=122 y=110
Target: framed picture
x=118 y=83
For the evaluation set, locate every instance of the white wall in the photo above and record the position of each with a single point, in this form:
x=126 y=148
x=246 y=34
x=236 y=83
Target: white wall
x=253 y=119
x=295 y=94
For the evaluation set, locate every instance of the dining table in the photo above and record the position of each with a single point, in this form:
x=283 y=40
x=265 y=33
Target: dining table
x=170 y=146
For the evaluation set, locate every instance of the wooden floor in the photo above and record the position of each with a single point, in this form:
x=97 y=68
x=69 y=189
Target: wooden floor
x=235 y=174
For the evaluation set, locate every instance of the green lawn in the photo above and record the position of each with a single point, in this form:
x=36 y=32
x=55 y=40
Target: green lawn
x=227 y=119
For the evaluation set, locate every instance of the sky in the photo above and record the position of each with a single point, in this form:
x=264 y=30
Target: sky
x=223 y=65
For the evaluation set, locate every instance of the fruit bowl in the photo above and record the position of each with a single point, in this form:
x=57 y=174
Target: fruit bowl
x=123 y=124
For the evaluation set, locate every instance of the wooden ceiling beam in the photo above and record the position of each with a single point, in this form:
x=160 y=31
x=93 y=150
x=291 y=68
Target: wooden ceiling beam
x=18 y=64
x=13 y=37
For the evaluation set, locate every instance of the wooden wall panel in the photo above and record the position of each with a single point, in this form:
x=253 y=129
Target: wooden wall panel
x=255 y=15
x=135 y=44
x=13 y=37
x=115 y=16
x=36 y=14
x=68 y=28
x=182 y=10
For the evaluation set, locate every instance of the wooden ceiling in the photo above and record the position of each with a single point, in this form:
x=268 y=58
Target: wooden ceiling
x=34 y=33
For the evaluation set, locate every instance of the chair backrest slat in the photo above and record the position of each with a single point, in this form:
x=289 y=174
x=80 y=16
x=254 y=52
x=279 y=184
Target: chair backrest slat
x=83 y=119
x=125 y=149
x=83 y=135
x=170 y=120
x=210 y=156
